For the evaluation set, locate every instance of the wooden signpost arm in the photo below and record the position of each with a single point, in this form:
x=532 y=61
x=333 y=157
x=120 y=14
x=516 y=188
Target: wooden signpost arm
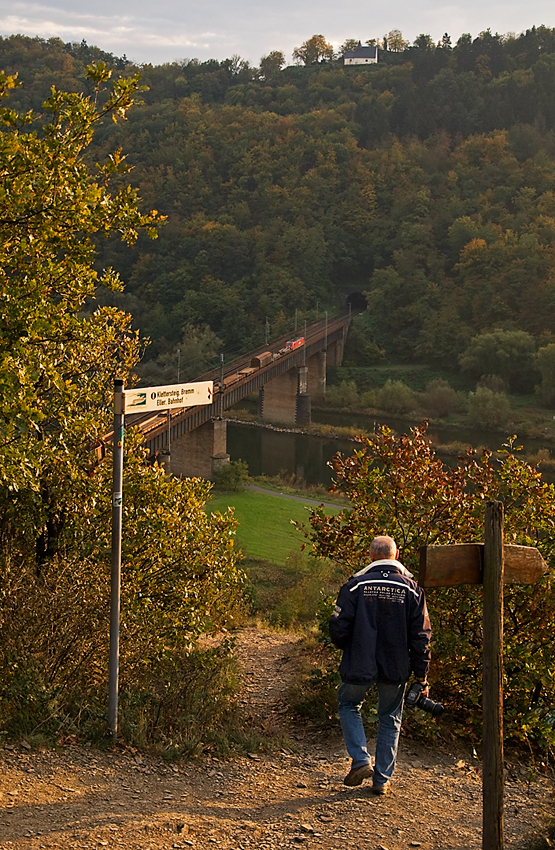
x=492 y=746
x=463 y=563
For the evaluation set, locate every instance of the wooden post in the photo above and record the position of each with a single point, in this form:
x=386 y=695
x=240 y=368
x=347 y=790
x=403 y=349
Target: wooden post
x=491 y=564
x=492 y=747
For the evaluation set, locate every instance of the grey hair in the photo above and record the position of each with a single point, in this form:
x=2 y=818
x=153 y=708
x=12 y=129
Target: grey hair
x=383 y=547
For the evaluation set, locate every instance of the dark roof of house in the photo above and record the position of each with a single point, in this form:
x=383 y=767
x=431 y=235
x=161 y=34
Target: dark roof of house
x=361 y=52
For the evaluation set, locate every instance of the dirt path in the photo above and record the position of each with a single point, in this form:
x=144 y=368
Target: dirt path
x=293 y=498
x=82 y=798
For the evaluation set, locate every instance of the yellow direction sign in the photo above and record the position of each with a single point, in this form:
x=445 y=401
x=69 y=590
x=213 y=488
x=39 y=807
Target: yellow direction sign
x=147 y=399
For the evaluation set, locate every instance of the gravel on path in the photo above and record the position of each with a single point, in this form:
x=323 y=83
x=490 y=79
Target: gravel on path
x=79 y=798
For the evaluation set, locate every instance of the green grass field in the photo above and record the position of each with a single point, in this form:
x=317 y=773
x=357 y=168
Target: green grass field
x=265 y=529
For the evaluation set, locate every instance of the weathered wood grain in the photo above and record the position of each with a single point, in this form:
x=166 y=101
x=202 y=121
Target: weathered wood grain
x=492 y=739
x=463 y=563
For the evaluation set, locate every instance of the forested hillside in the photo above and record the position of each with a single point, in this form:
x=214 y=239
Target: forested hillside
x=283 y=191
x=426 y=182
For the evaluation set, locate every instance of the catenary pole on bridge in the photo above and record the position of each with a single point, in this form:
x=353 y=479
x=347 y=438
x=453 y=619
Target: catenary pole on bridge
x=222 y=387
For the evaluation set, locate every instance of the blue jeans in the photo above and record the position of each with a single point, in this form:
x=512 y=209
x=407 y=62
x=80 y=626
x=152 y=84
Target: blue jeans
x=390 y=713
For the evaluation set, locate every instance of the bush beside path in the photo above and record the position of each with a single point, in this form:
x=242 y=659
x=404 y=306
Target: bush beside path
x=82 y=798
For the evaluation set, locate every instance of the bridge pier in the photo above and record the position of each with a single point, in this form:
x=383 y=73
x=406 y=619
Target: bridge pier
x=279 y=399
x=335 y=351
x=303 y=412
x=286 y=399
x=201 y=453
x=317 y=365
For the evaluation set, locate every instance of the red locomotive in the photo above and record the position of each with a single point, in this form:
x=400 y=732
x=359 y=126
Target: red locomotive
x=292 y=344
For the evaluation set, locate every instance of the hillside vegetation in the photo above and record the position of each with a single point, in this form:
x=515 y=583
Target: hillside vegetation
x=57 y=369
x=426 y=182
x=280 y=195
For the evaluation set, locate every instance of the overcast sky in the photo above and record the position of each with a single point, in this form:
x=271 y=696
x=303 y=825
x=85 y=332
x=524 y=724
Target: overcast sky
x=160 y=31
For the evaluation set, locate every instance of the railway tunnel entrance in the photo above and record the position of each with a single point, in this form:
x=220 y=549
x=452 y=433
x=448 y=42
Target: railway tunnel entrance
x=357 y=301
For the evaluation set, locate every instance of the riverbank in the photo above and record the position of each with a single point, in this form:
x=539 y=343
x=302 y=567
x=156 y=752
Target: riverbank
x=450 y=440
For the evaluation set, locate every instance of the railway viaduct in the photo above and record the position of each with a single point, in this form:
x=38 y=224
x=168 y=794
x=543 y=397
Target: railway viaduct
x=197 y=436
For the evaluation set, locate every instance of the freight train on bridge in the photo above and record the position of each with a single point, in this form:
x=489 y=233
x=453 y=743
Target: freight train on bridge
x=285 y=375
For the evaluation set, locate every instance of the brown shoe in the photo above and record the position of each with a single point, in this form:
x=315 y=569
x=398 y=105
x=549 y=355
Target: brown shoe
x=357 y=775
x=382 y=789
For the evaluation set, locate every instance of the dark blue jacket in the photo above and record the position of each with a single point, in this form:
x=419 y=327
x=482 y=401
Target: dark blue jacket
x=381 y=623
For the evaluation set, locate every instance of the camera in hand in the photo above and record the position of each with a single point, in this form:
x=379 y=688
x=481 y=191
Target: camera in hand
x=414 y=698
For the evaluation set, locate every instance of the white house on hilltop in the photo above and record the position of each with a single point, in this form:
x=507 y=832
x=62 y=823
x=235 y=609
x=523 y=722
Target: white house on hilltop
x=361 y=55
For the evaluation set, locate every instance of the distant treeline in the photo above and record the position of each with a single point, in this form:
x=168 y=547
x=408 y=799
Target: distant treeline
x=478 y=85
x=426 y=182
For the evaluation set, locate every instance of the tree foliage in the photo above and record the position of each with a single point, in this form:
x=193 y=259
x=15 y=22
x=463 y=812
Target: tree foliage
x=488 y=408
x=426 y=180
x=396 y=397
x=271 y=65
x=545 y=359
x=50 y=210
x=348 y=45
x=313 y=50
x=59 y=355
x=441 y=399
x=395 y=41
x=397 y=486
x=509 y=354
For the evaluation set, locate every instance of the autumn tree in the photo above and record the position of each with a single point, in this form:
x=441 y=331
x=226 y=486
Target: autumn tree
x=424 y=43
x=395 y=41
x=59 y=355
x=489 y=409
x=440 y=399
x=545 y=361
x=195 y=354
x=398 y=486
x=315 y=49
x=271 y=65
x=425 y=181
x=348 y=45
x=509 y=354
x=57 y=365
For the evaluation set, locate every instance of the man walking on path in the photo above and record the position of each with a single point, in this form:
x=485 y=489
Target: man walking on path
x=381 y=623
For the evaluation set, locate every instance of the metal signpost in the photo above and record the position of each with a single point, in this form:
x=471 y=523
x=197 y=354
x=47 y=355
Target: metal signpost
x=117 y=502
x=135 y=401
x=491 y=564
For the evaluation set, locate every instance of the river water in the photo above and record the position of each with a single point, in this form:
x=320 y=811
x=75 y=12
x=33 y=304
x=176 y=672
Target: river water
x=269 y=452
